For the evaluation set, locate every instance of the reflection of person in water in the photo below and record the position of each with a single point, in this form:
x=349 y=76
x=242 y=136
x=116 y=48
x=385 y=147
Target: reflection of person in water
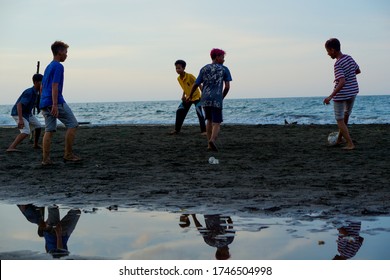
x=33 y=214
x=57 y=232
x=218 y=232
x=349 y=240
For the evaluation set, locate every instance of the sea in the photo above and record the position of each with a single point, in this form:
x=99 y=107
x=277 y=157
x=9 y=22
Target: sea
x=373 y=109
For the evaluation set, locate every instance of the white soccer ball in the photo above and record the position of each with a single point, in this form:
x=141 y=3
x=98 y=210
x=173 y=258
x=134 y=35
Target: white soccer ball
x=332 y=138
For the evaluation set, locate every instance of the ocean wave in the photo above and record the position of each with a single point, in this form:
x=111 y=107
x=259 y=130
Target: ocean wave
x=305 y=110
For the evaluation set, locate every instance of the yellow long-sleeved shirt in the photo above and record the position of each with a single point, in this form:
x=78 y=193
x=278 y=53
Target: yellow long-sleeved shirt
x=187 y=83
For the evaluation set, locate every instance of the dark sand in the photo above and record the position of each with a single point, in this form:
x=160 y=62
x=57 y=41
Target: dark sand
x=262 y=170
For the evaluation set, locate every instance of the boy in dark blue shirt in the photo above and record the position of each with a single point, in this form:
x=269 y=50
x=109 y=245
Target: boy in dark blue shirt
x=22 y=114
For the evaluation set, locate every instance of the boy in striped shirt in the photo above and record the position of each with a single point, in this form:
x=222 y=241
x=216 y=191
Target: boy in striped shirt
x=345 y=90
x=349 y=240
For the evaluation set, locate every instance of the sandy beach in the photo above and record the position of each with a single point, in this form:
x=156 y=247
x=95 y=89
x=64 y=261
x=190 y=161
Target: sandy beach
x=262 y=170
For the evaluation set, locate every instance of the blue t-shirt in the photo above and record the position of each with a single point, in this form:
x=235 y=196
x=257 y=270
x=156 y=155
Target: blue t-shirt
x=213 y=76
x=54 y=73
x=51 y=241
x=28 y=99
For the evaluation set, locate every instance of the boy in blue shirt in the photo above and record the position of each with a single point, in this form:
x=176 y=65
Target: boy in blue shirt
x=22 y=114
x=215 y=79
x=54 y=107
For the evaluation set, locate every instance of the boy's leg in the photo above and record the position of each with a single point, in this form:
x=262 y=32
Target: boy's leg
x=341 y=109
x=199 y=113
x=53 y=216
x=34 y=122
x=216 y=127
x=216 y=117
x=46 y=143
x=16 y=142
x=69 y=140
x=344 y=132
x=69 y=222
x=181 y=114
x=69 y=120
x=209 y=129
x=209 y=123
x=37 y=135
x=50 y=129
x=24 y=133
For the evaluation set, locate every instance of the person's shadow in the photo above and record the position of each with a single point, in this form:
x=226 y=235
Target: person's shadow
x=54 y=230
x=218 y=232
x=349 y=240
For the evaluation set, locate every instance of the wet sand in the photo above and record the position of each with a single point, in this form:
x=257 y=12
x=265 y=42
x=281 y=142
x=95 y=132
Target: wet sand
x=263 y=170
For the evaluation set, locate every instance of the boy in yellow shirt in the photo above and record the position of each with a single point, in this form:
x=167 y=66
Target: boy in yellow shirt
x=186 y=81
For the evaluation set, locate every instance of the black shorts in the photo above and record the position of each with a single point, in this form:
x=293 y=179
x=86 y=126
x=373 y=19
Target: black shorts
x=213 y=114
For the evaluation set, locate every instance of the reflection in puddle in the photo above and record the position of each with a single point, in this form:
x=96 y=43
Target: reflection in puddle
x=218 y=232
x=54 y=230
x=31 y=232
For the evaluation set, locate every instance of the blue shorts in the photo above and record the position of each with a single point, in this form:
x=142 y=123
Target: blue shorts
x=213 y=114
x=343 y=108
x=65 y=115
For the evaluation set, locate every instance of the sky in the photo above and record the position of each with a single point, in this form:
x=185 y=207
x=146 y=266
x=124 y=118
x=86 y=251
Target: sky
x=124 y=50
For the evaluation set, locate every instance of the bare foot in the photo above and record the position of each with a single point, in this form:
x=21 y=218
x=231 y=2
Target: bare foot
x=13 y=150
x=174 y=132
x=72 y=158
x=47 y=162
x=349 y=147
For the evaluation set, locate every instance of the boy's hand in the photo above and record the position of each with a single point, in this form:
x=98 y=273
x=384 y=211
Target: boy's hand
x=21 y=124
x=189 y=98
x=327 y=100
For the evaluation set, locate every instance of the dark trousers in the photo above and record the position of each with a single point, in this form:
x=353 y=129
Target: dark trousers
x=182 y=112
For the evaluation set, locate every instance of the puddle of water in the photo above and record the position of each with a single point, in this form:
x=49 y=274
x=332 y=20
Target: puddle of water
x=146 y=235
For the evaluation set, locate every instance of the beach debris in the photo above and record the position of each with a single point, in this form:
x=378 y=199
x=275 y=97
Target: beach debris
x=288 y=123
x=251 y=209
x=273 y=209
x=93 y=210
x=113 y=207
x=373 y=212
x=213 y=160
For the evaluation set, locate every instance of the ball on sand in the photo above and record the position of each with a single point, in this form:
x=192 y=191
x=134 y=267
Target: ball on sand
x=332 y=138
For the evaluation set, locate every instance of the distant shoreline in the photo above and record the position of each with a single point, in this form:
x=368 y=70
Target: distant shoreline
x=231 y=97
